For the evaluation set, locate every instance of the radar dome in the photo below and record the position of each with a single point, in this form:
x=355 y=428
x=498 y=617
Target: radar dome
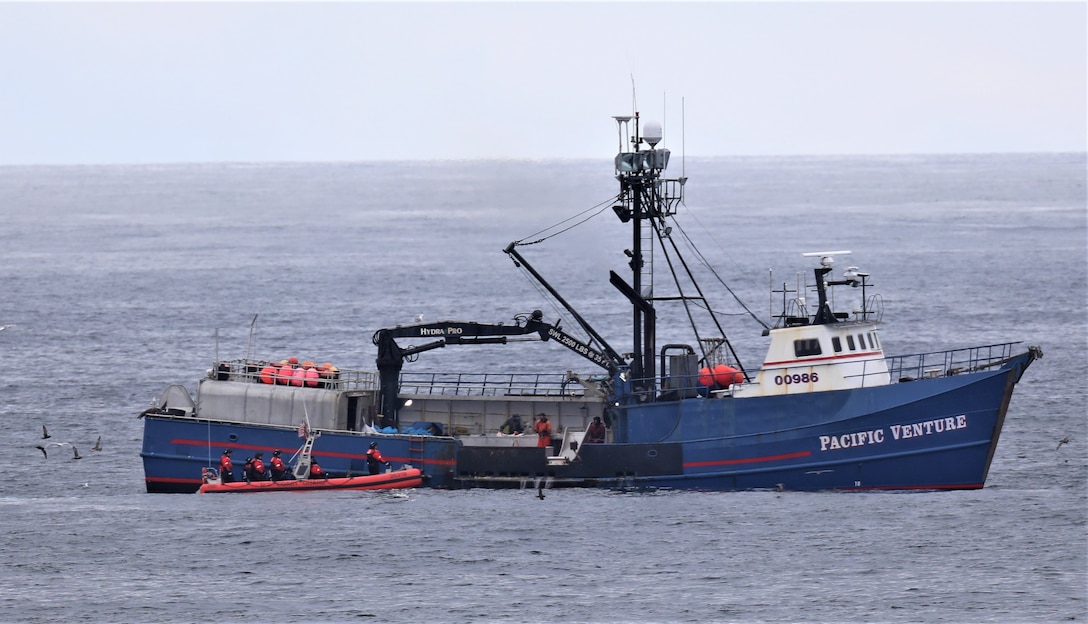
x=651 y=133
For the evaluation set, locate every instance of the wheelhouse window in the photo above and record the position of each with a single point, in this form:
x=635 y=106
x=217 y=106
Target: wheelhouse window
x=850 y=342
x=872 y=340
x=861 y=340
x=807 y=347
x=836 y=344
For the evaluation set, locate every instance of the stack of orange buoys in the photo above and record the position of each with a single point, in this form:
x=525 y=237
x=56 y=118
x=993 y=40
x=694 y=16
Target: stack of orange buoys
x=290 y=372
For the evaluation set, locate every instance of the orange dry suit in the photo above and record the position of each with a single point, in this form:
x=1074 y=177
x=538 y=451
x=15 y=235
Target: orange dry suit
x=374 y=460
x=543 y=428
x=226 y=469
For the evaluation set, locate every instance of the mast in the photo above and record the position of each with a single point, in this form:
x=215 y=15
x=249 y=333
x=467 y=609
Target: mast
x=645 y=200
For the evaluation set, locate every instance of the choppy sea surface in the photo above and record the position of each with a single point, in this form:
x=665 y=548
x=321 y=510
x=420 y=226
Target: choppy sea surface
x=120 y=280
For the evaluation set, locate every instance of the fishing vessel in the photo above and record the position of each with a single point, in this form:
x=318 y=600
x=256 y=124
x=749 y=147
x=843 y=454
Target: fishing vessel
x=826 y=409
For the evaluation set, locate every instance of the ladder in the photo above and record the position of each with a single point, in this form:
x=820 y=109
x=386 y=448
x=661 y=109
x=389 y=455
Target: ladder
x=302 y=466
x=415 y=451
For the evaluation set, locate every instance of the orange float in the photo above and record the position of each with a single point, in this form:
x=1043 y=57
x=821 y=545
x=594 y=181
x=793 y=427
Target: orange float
x=285 y=374
x=706 y=377
x=268 y=374
x=727 y=375
x=298 y=377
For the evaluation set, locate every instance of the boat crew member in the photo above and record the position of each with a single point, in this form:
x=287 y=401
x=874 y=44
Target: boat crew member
x=247 y=470
x=279 y=468
x=258 y=468
x=226 y=468
x=595 y=432
x=543 y=429
x=512 y=426
x=317 y=472
x=374 y=459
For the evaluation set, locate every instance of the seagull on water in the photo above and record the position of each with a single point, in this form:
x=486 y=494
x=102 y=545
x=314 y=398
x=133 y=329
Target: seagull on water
x=97 y=445
x=75 y=453
x=45 y=433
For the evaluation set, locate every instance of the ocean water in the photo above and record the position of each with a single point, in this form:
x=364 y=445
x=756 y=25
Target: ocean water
x=120 y=280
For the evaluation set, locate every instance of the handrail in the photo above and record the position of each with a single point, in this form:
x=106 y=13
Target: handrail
x=900 y=368
x=947 y=363
x=489 y=384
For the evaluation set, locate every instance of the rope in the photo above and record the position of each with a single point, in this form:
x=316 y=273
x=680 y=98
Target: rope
x=600 y=207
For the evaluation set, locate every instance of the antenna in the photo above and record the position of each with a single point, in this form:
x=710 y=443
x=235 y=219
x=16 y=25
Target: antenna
x=634 y=100
x=250 y=342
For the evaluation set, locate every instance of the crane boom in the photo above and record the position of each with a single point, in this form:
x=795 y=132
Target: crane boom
x=391 y=356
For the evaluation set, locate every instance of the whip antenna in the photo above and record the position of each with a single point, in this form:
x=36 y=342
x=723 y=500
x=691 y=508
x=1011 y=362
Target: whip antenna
x=249 y=344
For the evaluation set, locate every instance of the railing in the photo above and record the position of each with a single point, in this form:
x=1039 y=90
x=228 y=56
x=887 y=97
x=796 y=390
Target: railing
x=899 y=368
x=946 y=363
x=553 y=385
x=490 y=384
x=250 y=371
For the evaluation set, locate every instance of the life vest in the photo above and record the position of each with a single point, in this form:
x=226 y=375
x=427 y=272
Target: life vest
x=258 y=468
x=225 y=465
x=278 y=465
x=316 y=471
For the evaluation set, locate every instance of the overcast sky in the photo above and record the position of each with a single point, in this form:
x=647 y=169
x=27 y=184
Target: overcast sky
x=196 y=82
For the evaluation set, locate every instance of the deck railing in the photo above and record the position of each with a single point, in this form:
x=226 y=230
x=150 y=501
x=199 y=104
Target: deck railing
x=946 y=363
x=554 y=385
x=490 y=384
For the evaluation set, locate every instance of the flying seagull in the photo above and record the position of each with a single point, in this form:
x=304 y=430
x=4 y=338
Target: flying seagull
x=97 y=445
x=42 y=448
x=1064 y=440
x=45 y=433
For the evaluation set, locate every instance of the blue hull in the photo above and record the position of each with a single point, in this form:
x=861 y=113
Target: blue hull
x=927 y=434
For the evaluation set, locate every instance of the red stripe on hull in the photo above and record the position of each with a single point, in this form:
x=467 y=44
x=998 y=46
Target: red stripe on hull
x=269 y=449
x=861 y=357
x=746 y=460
